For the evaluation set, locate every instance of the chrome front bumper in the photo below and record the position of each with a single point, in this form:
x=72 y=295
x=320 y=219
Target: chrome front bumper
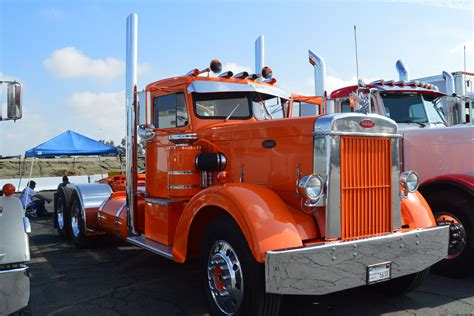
x=332 y=267
x=14 y=290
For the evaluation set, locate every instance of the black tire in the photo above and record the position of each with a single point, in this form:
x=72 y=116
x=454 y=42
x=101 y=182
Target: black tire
x=62 y=214
x=448 y=204
x=254 y=301
x=404 y=284
x=76 y=223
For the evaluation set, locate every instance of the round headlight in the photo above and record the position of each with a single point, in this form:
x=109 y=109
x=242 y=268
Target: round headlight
x=311 y=187
x=409 y=181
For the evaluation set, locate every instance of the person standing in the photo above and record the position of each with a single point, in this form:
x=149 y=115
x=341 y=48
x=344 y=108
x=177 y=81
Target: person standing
x=37 y=205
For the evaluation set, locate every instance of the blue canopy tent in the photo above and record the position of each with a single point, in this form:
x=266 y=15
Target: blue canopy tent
x=69 y=143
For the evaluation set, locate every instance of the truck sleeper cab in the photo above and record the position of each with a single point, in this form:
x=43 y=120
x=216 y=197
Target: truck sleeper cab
x=271 y=205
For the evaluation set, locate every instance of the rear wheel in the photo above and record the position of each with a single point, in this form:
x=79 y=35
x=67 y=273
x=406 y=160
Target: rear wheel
x=455 y=209
x=233 y=280
x=77 y=227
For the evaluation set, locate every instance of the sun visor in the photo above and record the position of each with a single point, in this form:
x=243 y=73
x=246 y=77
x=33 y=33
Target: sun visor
x=214 y=86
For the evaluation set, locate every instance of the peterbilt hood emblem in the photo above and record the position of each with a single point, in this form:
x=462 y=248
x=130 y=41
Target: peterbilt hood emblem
x=367 y=123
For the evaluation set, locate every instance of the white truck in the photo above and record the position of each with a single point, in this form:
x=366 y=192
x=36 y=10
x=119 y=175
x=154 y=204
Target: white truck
x=14 y=229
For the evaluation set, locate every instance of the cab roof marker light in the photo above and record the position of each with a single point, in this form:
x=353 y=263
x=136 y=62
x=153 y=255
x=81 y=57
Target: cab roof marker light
x=401 y=83
x=390 y=83
x=270 y=81
x=379 y=82
x=226 y=74
x=241 y=75
x=253 y=77
x=413 y=83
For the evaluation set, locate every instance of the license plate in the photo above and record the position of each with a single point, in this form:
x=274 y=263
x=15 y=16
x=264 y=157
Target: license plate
x=379 y=272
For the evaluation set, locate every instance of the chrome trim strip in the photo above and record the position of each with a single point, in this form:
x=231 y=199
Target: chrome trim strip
x=22 y=268
x=358 y=134
x=183 y=186
x=153 y=246
x=396 y=204
x=162 y=201
x=333 y=208
x=336 y=266
x=181 y=172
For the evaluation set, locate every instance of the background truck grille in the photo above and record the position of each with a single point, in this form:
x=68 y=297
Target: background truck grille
x=366 y=199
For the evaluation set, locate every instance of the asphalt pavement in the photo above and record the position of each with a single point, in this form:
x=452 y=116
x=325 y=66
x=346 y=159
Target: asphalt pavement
x=115 y=278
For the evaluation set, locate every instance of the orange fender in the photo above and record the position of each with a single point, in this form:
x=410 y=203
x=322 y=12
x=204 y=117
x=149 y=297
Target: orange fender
x=264 y=219
x=416 y=211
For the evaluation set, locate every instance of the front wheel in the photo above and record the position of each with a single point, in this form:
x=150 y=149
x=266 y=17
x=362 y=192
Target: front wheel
x=233 y=280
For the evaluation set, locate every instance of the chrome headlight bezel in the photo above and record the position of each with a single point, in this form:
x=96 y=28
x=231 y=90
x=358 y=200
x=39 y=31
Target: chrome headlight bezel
x=306 y=185
x=409 y=181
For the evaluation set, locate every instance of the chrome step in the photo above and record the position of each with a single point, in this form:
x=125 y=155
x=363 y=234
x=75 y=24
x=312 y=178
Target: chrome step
x=151 y=245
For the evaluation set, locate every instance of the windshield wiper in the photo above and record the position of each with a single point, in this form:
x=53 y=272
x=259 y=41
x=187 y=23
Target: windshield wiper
x=230 y=114
x=409 y=121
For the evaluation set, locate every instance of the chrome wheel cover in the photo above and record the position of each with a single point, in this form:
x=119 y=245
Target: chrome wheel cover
x=60 y=215
x=75 y=213
x=225 y=279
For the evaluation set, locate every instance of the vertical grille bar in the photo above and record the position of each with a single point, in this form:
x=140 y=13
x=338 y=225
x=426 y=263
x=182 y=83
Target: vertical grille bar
x=366 y=186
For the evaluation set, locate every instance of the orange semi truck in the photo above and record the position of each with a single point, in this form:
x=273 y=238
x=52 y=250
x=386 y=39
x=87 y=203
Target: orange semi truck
x=270 y=205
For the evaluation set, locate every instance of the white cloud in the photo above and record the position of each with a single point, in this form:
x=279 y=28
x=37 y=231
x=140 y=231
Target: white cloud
x=26 y=133
x=98 y=115
x=236 y=68
x=70 y=62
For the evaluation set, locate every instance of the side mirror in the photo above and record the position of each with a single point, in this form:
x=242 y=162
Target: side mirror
x=454 y=110
x=14 y=101
x=146 y=132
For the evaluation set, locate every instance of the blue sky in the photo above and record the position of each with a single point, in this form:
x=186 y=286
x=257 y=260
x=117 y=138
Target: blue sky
x=69 y=55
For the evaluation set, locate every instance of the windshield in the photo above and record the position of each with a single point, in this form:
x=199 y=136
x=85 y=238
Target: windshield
x=237 y=105
x=410 y=108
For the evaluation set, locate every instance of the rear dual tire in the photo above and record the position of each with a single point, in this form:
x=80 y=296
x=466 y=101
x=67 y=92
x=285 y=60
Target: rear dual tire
x=62 y=212
x=76 y=223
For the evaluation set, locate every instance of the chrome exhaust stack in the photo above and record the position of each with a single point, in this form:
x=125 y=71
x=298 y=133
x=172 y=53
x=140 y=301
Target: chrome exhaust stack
x=402 y=70
x=131 y=104
x=259 y=54
x=449 y=83
x=319 y=76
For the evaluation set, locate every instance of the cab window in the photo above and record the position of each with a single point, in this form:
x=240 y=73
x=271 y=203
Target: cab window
x=170 y=111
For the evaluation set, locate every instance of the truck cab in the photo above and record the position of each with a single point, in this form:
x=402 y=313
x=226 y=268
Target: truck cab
x=269 y=204
x=411 y=105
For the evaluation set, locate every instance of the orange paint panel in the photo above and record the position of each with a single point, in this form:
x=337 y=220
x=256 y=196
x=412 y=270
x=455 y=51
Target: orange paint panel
x=161 y=221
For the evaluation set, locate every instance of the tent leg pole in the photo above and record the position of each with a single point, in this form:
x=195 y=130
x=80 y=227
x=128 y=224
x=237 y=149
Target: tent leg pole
x=31 y=173
x=101 y=169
